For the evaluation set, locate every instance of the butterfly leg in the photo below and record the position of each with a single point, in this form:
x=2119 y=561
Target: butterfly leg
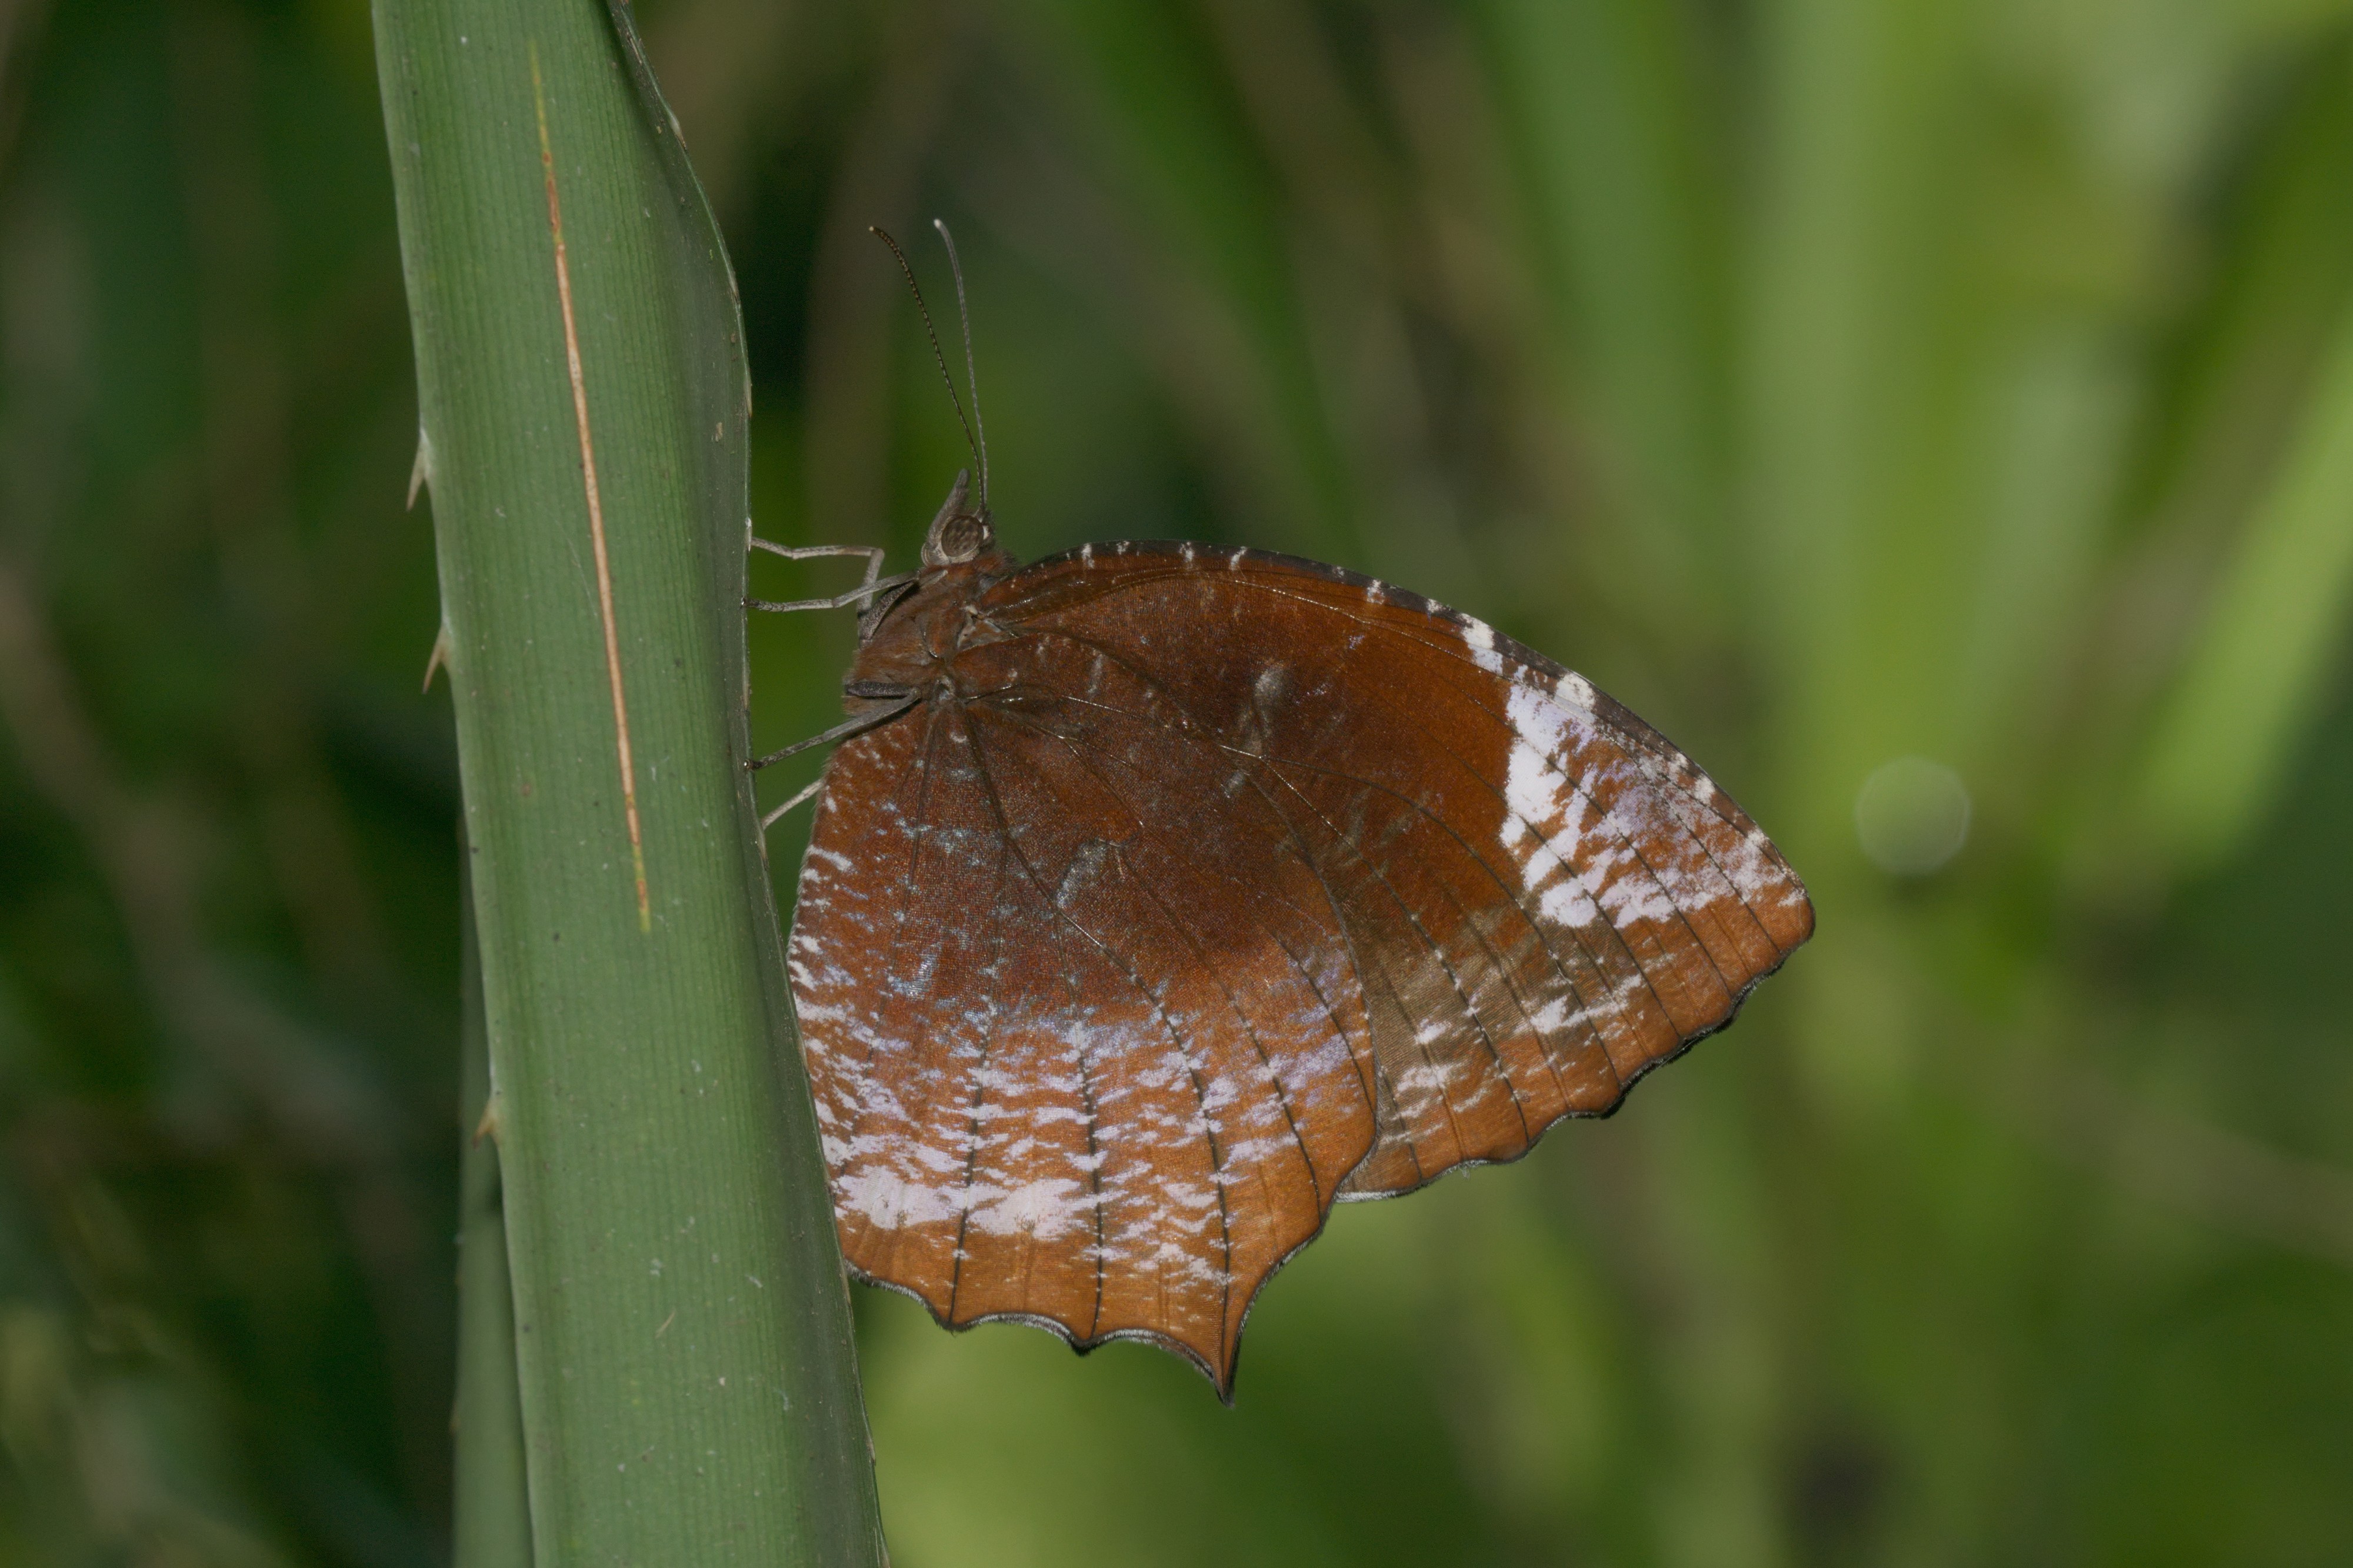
x=841 y=732
x=872 y=584
x=806 y=790
x=873 y=553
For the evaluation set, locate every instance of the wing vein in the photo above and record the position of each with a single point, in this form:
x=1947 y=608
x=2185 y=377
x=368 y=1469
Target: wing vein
x=1209 y=1125
x=979 y=1085
x=1283 y=1096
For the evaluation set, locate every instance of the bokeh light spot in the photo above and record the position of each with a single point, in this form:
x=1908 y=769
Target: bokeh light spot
x=1912 y=815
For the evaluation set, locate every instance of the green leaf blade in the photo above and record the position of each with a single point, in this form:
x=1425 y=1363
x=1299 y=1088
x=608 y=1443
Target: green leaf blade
x=688 y=1389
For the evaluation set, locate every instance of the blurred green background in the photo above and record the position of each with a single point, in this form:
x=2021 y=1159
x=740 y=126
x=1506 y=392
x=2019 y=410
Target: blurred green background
x=1965 y=386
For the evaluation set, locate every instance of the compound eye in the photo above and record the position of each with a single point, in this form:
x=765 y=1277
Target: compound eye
x=962 y=537
x=958 y=532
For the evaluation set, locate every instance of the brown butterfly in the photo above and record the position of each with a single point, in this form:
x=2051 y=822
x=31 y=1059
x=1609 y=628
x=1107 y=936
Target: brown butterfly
x=1162 y=896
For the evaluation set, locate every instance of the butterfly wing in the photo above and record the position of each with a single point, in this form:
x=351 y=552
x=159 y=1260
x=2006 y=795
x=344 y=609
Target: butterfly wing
x=1076 y=1062
x=1382 y=891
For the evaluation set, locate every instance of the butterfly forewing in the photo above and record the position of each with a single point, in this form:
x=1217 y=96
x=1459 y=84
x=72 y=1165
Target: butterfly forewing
x=1227 y=886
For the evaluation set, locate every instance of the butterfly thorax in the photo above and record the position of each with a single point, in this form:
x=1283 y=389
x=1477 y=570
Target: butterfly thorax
x=908 y=648
x=910 y=651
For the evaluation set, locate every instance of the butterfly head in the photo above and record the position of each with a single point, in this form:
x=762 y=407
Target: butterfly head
x=962 y=532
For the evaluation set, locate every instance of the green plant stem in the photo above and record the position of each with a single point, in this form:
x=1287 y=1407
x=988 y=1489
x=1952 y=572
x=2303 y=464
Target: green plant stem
x=689 y=1392
x=493 y=1527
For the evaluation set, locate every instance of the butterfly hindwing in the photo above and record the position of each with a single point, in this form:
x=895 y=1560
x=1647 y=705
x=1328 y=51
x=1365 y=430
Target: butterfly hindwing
x=1076 y=1062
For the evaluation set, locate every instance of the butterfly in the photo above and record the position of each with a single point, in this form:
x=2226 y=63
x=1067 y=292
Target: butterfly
x=1160 y=897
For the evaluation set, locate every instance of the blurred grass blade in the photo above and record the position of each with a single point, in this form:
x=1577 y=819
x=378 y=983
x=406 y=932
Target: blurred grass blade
x=493 y=1527
x=689 y=1391
x=1168 y=136
x=1612 y=132
x=2256 y=668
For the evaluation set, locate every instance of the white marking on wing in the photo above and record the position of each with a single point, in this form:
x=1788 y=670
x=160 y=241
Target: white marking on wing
x=887 y=1201
x=1555 y=1016
x=1042 y=1208
x=1534 y=783
x=1479 y=637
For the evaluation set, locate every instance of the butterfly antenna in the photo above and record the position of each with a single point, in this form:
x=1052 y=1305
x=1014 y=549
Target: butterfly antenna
x=938 y=358
x=971 y=366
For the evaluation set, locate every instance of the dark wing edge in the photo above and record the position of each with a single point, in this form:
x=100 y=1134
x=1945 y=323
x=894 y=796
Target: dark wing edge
x=1223 y=1385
